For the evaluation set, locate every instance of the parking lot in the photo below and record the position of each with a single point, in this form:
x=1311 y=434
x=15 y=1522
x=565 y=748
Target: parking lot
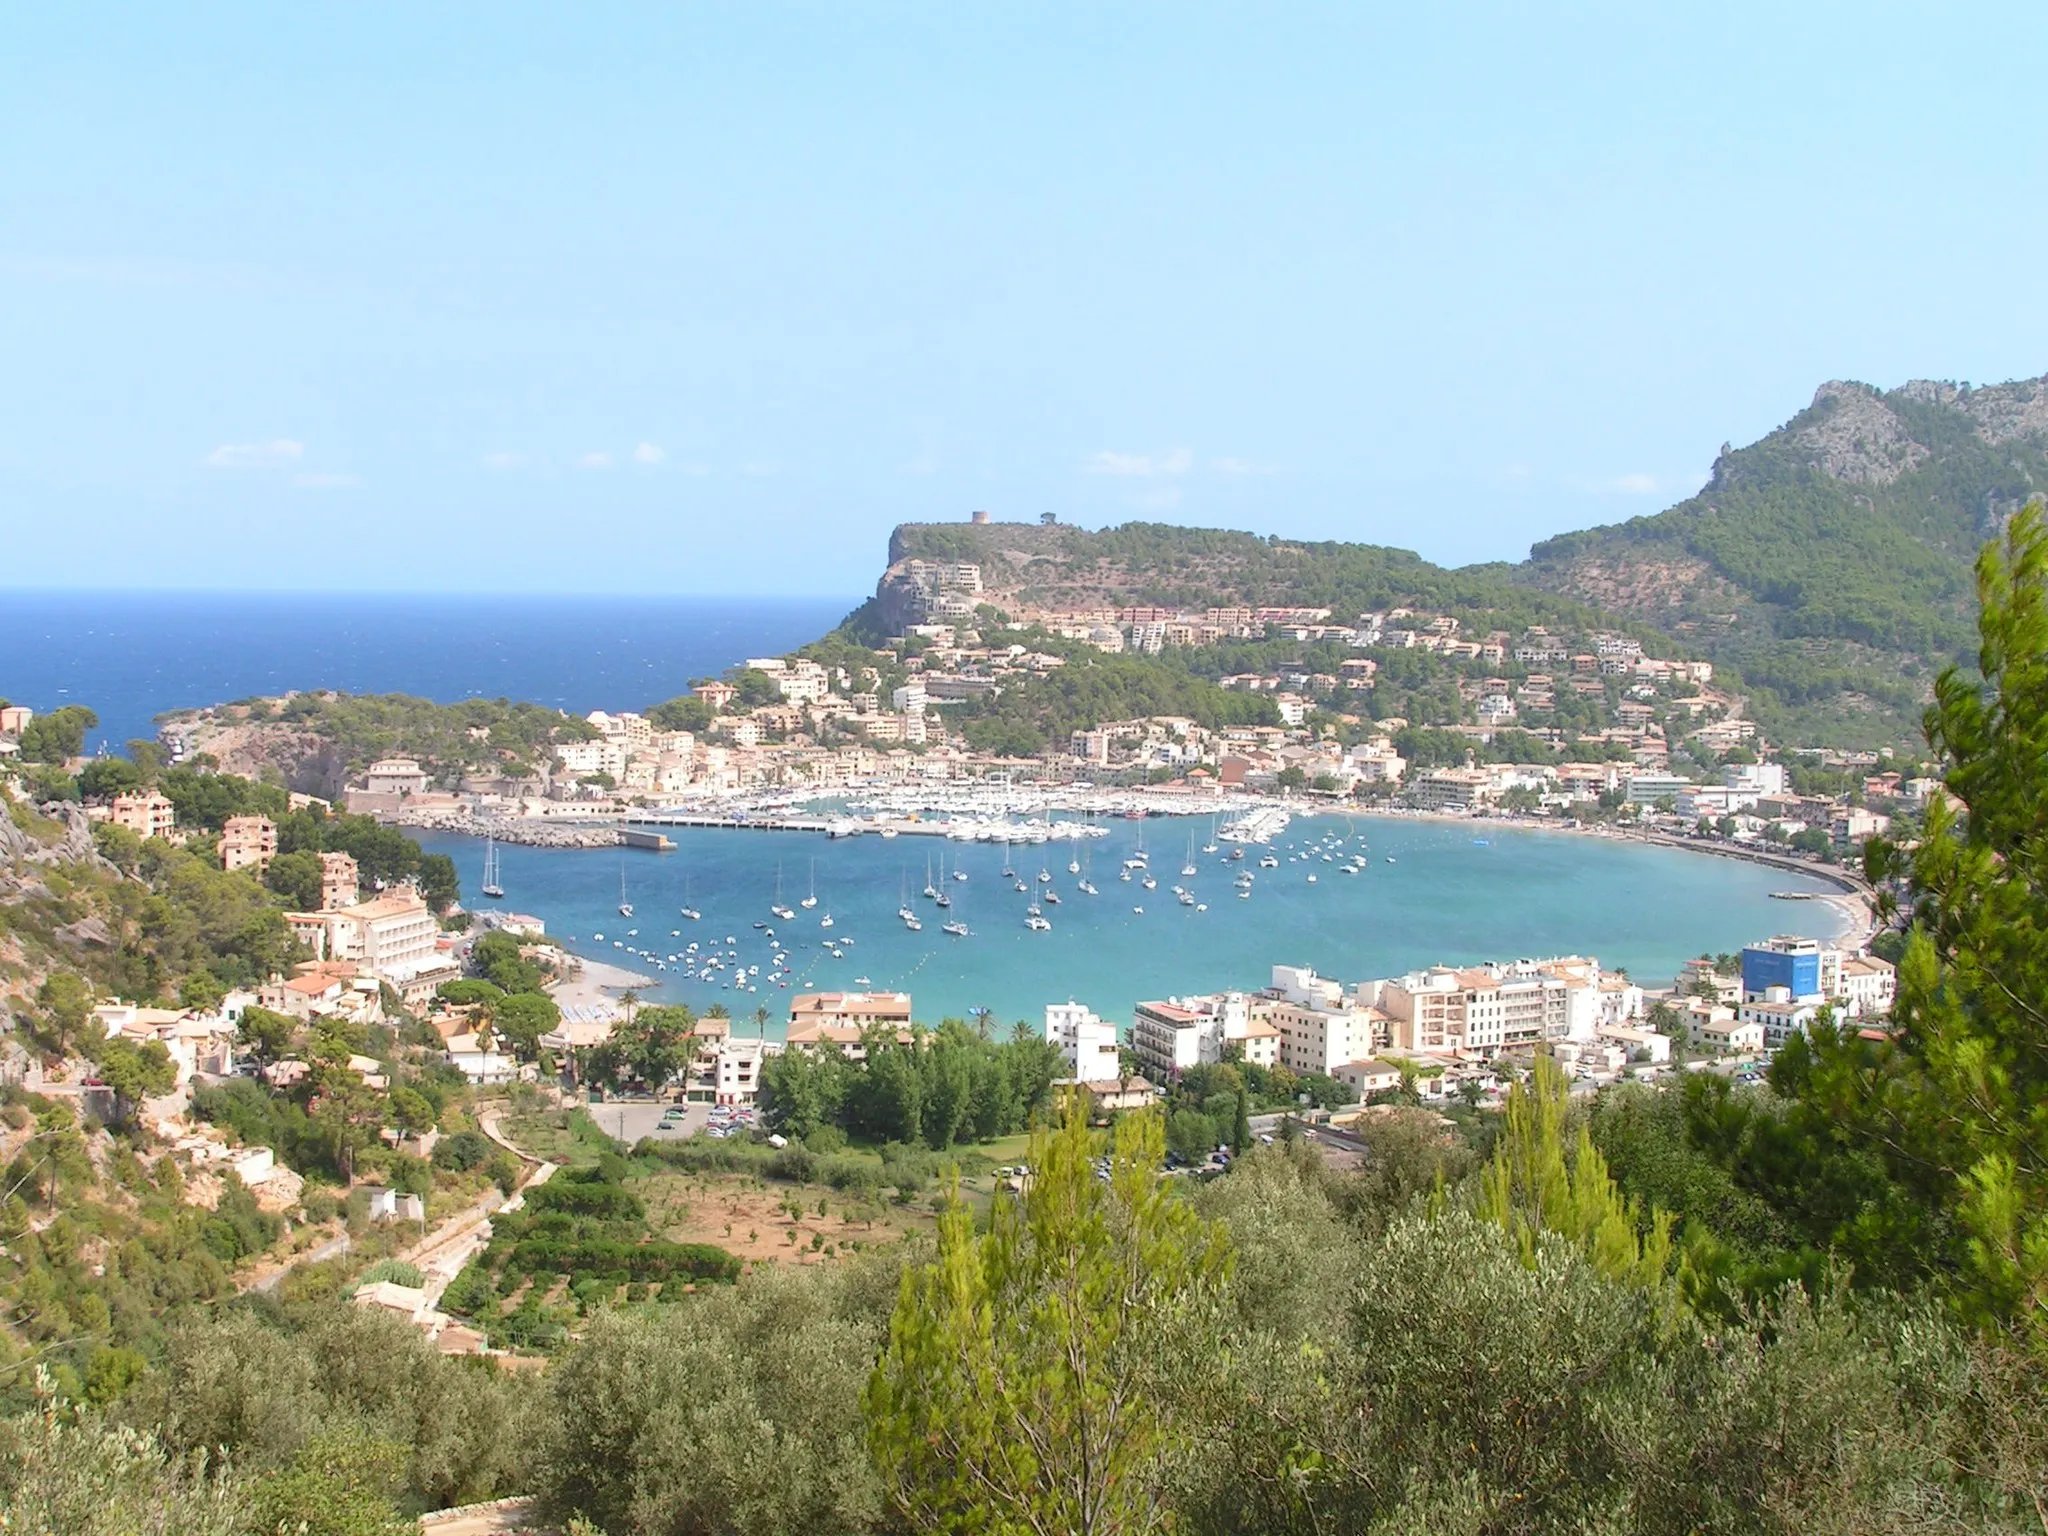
x=632 y=1119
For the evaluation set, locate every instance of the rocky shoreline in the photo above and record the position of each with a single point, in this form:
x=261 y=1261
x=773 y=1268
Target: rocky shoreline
x=522 y=830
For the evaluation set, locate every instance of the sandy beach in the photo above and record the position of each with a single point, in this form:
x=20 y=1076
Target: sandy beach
x=594 y=983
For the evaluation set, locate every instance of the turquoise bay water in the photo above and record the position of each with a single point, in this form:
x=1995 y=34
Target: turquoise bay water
x=1452 y=894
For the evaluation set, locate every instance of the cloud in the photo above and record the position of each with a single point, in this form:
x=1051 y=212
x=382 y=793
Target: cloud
x=596 y=460
x=1159 y=499
x=318 y=482
x=1242 y=467
x=503 y=460
x=1174 y=461
x=648 y=453
x=275 y=454
x=1634 y=485
x=923 y=464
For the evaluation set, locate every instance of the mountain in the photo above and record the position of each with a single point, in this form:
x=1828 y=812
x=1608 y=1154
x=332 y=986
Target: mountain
x=1829 y=563
x=1036 y=567
x=1825 y=569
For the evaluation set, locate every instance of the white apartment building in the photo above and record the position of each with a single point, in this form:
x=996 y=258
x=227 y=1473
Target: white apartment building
x=1485 y=1010
x=1087 y=1043
x=1319 y=1029
x=630 y=731
x=1867 y=986
x=393 y=936
x=1179 y=1033
x=586 y=757
x=1779 y=1015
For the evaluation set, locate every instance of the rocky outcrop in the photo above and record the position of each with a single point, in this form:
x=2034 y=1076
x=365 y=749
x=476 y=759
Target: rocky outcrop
x=1856 y=436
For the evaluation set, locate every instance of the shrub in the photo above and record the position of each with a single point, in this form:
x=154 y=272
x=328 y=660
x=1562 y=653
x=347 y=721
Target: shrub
x=462 y=1151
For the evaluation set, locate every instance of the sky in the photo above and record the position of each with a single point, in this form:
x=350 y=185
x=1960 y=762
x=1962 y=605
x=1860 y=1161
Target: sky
x=705 y=299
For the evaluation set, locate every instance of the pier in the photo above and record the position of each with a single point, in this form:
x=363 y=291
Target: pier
x=654 y=842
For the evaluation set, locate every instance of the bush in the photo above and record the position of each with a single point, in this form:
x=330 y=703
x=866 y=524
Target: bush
x=462 y=1151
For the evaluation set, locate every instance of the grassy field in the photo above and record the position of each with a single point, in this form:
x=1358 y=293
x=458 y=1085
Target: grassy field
x=569 y=1138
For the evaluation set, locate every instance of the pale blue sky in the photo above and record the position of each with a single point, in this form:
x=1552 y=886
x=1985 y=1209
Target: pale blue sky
x=706 y=299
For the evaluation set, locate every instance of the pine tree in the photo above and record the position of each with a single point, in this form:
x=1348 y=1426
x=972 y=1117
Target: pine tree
x=1531 y=1187
x=1973 y=981
x=1021 y=1389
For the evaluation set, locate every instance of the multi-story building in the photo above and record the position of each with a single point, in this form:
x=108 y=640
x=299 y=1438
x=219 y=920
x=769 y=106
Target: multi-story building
x=591 y=757
x=394 y=776
x=393 y=936
x=1179 y=1033
x=1804 y=968
x=248 y=842
x=1486 y=1010
x=1867 y=986
x=844 y=1019
x=1780 y=1015
x=1320 y=1029
x=147 y=814
x=1452 y=789
x=1087 y=1043
x=338 y=882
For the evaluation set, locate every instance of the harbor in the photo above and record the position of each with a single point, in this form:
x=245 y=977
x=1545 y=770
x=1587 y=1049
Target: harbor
x=1350 y=895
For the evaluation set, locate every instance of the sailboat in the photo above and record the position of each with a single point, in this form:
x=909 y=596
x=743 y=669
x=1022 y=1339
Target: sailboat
x=929 y=889
x=811 y=900
x=776 y=906
x=903 y=900
x=687 y=910
x=625 y=906
x=1211 y=845
x=938 y=892
x=1189 y=867
x=491 y=886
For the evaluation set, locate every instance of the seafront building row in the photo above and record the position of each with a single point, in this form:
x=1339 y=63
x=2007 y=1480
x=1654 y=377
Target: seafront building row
x=1436 y=1026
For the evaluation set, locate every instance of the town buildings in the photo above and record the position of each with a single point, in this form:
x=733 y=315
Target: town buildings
x=1086 y=1043
x=147 y=814
x=248 y=842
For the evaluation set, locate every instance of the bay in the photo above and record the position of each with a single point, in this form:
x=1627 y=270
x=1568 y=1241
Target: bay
x=1431 y=892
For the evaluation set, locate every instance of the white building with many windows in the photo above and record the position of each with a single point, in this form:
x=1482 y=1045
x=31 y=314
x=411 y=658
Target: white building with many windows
x=1087 y=1043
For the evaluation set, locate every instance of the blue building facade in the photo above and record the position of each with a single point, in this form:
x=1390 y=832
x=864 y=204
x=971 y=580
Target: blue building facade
x=1796 y=970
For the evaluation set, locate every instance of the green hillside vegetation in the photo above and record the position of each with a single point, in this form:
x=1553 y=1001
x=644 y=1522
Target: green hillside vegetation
x=1162 y=564
x=488 y=736
x=1839 y=586
x=1092 y=686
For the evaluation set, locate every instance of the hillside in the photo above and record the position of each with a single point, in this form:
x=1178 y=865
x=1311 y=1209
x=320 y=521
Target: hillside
x=1039 y=566
x=1829 y=562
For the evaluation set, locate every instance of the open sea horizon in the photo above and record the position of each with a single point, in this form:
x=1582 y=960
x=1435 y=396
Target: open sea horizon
x=132 y=655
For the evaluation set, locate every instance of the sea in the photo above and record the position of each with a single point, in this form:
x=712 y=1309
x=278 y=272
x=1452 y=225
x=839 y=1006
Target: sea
x=133 y=655
x=1428 y=892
